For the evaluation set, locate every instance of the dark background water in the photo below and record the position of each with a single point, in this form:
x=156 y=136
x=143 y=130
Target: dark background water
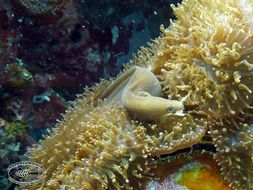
x=50 y=52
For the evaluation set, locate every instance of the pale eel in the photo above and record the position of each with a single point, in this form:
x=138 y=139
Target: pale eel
x=138 y=90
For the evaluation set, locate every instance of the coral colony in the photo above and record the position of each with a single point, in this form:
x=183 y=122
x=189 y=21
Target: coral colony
x=191 y=86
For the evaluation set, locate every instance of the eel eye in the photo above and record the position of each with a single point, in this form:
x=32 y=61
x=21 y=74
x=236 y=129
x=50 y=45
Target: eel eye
x=170 y=109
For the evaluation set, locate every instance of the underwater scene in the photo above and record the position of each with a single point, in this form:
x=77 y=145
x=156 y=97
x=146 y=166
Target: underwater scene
x=126 y=95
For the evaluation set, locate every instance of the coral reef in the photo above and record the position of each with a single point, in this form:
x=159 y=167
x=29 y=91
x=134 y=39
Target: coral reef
x=50 y=50
x=203 y=59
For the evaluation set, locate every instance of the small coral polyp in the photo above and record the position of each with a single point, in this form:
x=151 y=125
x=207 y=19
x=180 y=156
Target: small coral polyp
x=203 y=60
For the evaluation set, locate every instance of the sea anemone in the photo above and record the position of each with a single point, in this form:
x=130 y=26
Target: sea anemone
x=102 y=147
x=202 y=60
x=234 y=152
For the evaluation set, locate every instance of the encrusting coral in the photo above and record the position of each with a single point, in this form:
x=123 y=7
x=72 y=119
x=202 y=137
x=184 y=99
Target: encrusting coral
x=202 y=60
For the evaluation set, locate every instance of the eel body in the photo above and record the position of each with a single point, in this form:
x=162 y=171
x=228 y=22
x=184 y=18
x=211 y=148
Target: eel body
x=138 y=90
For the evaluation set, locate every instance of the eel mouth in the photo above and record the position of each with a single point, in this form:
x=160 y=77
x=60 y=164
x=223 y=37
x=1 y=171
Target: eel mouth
x=181 y=112
x=178 y=113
